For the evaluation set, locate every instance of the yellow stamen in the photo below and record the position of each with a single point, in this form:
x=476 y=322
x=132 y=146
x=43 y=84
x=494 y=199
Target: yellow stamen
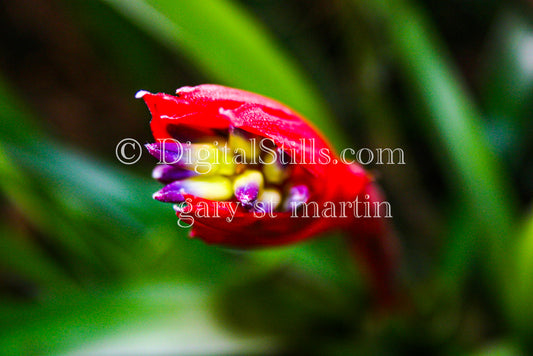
x=269 y=199
x=209 y=187
x=274 y=172
x=244 y=145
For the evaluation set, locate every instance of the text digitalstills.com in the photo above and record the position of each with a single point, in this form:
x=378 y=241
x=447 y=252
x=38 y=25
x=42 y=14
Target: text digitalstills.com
x=202 y=157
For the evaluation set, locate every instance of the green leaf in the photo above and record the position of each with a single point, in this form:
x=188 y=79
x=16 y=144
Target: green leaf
x=101 y=219
x=224 y=41
x=520 y=286
x=21 y=258
x=470 y=164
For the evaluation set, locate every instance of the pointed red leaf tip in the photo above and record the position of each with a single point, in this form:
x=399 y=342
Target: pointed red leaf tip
x=266 y=176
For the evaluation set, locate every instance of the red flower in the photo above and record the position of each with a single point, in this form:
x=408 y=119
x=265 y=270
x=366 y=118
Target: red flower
x=275 y=179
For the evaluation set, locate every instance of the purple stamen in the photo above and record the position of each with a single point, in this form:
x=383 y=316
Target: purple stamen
x=168 y=152
x=166 y=173
x=247 y=186
x=212 y=188
x=247 y=193
x=171 y=193
x=298 y=195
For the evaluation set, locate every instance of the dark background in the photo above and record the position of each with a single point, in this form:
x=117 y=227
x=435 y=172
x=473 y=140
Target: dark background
x=90 y=262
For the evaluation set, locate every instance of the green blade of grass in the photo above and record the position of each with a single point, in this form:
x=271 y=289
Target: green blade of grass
x=470 y=165
x=520 y=291
x=30 y=200
x=57 y=190
x=19 y=256
x=224 y=41
x=84 y=180
x=101 y=218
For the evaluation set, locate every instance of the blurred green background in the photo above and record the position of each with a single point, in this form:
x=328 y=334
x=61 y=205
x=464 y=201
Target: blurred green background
x=91 y=265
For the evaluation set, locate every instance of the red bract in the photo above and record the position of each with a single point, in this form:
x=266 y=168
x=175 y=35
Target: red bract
x=316 y=175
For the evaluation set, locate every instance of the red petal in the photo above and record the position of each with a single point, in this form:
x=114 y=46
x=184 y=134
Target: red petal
x=217 y=107
x=214 y=107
